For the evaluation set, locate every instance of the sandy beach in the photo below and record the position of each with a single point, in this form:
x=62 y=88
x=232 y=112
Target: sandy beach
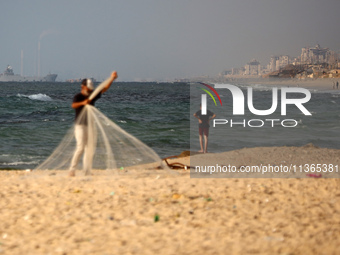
x=136 y=213
x=320 y=84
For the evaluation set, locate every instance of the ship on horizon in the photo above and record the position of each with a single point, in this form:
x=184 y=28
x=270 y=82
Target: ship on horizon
x=8 y=76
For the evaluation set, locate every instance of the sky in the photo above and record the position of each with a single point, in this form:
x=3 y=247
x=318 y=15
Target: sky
x=159 y=39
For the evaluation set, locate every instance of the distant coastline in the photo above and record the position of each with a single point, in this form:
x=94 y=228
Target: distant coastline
x=9 y=76
x=320 y=83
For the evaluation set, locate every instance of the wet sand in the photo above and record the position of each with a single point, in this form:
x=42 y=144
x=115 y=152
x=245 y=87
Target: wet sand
x=155 y=213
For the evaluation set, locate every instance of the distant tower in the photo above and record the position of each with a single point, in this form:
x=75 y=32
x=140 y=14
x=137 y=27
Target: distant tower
x=273 y=60
x=39 y=58
x=22 y=63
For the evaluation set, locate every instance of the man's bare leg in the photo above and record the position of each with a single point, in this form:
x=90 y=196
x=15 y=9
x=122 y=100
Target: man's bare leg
x=201 y=144
x=205 y=144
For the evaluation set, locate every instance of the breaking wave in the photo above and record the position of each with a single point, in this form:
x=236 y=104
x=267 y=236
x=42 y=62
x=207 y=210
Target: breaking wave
x=39 y=97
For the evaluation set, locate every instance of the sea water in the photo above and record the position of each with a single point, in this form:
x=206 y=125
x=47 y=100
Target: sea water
x=34 y=117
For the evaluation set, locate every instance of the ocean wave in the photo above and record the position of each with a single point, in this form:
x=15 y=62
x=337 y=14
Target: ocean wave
x=19 y=163
x=39 y=97
x=13 y=121
x=262 y=87
x=323 y=91
x=12 y=160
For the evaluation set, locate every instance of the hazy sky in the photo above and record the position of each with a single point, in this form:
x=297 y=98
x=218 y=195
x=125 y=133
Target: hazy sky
x=159 y=39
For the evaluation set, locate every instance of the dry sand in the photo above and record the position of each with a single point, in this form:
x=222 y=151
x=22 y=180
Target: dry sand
x=320 y=84
x=118 y=215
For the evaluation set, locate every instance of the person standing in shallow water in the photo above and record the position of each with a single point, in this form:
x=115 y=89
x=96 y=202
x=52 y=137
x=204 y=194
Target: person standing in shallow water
x=80 y=130
x=203 y=127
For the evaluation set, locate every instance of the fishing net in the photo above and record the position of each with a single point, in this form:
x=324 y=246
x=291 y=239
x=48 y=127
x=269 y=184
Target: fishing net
x=102 y=145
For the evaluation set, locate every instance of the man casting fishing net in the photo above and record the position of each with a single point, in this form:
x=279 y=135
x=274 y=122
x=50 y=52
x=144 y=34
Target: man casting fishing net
x=81 y=124
x=103 y=144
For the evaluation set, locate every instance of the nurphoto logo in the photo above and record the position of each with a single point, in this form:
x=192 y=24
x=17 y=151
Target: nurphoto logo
x=238 y=105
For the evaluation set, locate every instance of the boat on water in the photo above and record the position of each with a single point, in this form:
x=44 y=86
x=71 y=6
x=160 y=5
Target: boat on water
x=8 y=76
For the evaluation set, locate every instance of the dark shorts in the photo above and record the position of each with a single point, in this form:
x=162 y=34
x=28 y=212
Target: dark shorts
x=204 y=130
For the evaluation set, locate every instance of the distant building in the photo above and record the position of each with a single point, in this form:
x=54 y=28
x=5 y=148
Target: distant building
x=237 y=71
x=315 y=55
x=226 y=72
x=278 y=62
x=283 y=61
x=272 y=64
x=252 y=68
x=314 y=62
x=333 y=59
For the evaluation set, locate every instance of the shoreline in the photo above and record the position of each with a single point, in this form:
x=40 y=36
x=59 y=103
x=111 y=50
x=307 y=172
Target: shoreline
x=257 y=154
x=320 y=84
x=304 y=159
